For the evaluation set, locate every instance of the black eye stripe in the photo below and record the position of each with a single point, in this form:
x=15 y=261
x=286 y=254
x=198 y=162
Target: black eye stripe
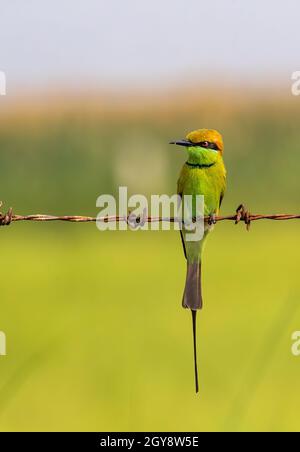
x=207 y=145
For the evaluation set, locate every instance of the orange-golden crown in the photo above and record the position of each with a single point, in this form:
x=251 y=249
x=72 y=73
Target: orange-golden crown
x=210 y=135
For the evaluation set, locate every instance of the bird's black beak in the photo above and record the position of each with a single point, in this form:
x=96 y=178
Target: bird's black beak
x=182 y=143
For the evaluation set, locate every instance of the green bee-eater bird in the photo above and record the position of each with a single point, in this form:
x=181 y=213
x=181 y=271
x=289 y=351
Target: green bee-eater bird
x=203 y=174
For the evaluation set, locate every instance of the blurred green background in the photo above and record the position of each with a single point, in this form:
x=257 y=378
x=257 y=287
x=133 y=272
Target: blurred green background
x=96 y=337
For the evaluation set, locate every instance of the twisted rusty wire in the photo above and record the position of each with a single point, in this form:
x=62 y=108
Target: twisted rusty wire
x=241 y=215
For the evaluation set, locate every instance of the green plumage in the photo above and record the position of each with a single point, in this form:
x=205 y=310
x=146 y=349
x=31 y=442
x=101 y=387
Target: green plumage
x=208 y=181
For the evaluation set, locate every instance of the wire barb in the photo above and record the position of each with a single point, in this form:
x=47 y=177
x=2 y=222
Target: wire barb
x=6 y=218
x=135 y=221
x=242 y=214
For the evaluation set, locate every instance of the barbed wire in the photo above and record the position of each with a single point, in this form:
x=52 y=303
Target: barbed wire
x=241 y=215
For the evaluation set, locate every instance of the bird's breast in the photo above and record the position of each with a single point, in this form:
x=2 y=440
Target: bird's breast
x=208 y=182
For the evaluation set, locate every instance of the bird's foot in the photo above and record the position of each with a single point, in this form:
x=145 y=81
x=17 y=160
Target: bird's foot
x=212 y=219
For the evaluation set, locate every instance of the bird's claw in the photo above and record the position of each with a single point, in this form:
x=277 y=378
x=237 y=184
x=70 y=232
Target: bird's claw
x=212 y=219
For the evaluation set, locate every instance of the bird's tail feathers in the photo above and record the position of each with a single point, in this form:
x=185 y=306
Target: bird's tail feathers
x=192 y=297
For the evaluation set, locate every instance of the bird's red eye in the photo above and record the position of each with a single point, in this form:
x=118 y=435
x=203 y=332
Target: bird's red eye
x=204 y=144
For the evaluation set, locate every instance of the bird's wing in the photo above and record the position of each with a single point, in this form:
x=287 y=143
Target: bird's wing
x=221 y=198
x=181 y=234
x=223 y=190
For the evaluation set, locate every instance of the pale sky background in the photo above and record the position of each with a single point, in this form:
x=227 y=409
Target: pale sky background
x=136 y=42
